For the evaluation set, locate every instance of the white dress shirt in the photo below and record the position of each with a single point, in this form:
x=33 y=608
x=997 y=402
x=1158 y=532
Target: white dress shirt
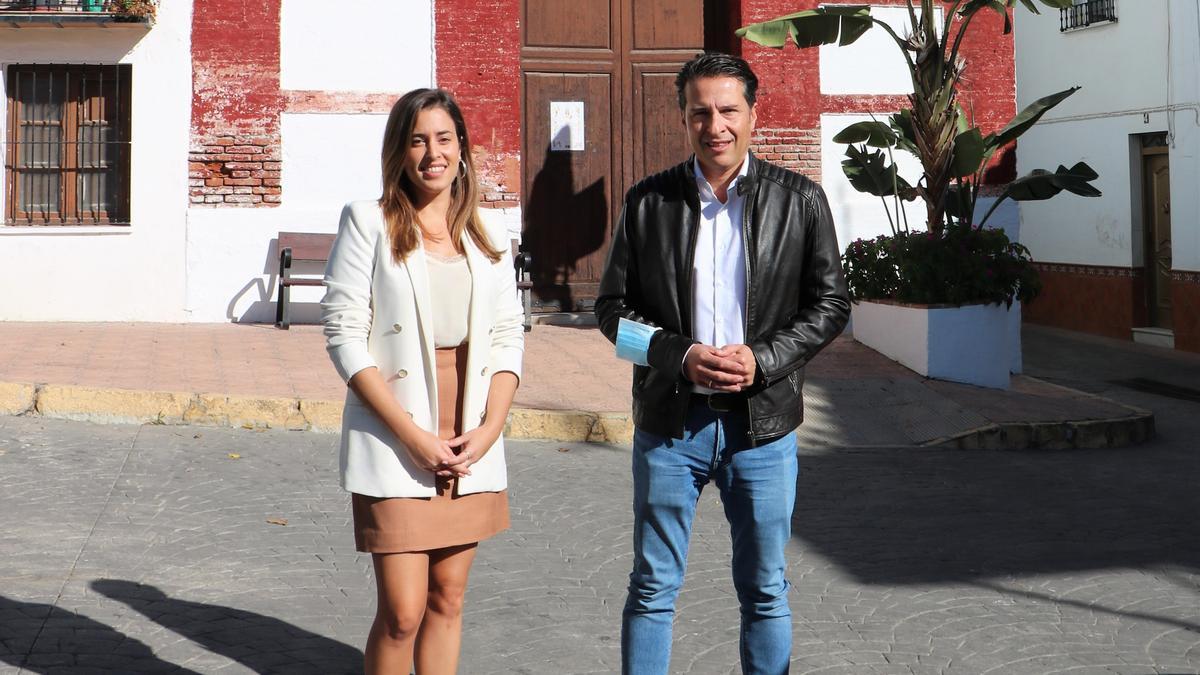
x=719 y=272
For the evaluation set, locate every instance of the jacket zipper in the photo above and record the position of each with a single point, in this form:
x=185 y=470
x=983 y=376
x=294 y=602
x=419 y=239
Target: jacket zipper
x=746 y=206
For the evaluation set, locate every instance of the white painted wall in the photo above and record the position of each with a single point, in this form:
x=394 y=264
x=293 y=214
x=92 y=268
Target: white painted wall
x=872 y=65
x=1125 y=69
x=328 y=158
x=133 y=273
x=858 y=215
x=233 y=260
x=379 y=45
x=861 y=216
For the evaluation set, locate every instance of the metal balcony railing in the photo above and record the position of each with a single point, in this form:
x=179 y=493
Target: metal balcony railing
x=60 y=6
x=1087 y=13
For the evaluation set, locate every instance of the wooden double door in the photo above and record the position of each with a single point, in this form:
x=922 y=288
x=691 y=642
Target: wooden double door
x=599 y=111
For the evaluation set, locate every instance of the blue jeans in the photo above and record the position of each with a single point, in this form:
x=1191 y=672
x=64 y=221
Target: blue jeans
x=758 y=491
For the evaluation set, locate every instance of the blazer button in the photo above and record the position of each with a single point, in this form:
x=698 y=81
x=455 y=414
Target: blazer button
x=484 y=371
x=397 y=327
x=402 y=373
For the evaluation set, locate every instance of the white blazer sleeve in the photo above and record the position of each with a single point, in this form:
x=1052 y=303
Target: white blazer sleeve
x=508 y=332
x=346 y=307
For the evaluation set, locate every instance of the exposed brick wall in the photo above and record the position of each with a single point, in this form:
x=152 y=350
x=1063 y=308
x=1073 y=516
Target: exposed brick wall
x=795 y=149
x=235 y=171
x=479 y=61
x=234 y=154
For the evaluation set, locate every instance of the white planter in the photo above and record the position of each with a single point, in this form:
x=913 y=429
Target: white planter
x=972 y=344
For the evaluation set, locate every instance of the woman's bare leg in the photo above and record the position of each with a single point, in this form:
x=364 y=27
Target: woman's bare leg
x=402 y=580
x=440 y=637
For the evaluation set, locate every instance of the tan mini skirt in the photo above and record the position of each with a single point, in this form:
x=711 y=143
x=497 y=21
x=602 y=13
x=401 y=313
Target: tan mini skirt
x=407 y=524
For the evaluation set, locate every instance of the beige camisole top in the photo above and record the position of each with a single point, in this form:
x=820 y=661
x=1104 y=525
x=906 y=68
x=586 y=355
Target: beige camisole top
x=450 y=293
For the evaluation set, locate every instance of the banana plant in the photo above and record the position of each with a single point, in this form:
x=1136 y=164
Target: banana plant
x=953 y=153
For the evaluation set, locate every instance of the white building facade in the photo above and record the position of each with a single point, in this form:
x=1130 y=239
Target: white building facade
x=1126 y=264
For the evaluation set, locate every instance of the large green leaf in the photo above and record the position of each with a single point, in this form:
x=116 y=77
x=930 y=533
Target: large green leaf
x=874 y=134
x=1027 y=118
x=842 y=24
x=958 y=203
x=998 y=6
x=869 y=172
x=901 y=123
x=969 y=150
x=1040 y=184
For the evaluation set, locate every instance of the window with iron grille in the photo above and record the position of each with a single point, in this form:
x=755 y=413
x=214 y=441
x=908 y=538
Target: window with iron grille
x=1087 y=12
x=67 y=145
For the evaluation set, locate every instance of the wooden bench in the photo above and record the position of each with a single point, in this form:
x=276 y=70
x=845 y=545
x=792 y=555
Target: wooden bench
x=314 y=248
x=523 y=261
x=302 y=247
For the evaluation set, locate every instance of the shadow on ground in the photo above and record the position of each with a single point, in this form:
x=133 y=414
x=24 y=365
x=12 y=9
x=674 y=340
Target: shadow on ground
x=41 y=638
x=913 y=517
x=261 y=643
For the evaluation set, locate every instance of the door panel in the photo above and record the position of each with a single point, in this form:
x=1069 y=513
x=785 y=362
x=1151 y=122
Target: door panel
x=661 y=141
x=567 y=199
x=579 y=23
x=668 y=24
x=1157 y=177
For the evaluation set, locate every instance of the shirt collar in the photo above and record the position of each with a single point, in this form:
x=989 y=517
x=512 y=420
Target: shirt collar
x=706 y=189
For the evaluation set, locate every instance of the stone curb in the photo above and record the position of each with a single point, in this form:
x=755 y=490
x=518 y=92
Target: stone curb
x=1091 y=434
x=124 y=406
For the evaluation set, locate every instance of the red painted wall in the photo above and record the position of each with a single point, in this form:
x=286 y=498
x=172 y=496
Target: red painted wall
x=790 y=88
x=479 y=60
x=235 y=68
x=234 y=159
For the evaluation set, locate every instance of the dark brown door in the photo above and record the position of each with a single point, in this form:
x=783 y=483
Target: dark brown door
x=1157 y=199
x=599 y=112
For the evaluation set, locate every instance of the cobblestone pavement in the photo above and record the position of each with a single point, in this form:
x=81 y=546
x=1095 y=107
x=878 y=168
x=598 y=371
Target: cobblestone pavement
x=160 y=549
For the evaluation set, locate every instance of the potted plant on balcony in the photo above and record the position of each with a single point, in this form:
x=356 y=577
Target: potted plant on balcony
x=134 y=10
x=936 y=300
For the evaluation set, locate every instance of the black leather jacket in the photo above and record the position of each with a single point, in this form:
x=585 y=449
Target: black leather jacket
x=796 y=294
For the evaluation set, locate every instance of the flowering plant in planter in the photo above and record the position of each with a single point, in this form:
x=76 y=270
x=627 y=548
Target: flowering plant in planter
x=956 y=260
x=964 y=265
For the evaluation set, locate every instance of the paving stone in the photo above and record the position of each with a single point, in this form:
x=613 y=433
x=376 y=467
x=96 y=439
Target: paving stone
x=147 y=549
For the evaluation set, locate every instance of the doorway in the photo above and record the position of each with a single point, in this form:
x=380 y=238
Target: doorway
x=1156 y=201
x=599 y=112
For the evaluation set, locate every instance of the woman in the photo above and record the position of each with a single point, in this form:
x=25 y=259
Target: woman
x=423 y=322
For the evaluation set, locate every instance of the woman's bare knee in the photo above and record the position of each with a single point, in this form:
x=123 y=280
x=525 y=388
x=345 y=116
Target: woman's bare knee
x=399 y=626
x=446 y=599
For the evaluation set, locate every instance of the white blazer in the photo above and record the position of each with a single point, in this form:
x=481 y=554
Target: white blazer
x=379 y=313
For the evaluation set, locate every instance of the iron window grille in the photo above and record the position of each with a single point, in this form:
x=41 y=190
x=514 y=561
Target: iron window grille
x=1084 y=14
x=67 y=145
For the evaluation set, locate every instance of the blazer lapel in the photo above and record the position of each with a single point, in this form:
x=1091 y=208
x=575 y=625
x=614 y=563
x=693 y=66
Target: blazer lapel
x=477 y=327
x=418 y=277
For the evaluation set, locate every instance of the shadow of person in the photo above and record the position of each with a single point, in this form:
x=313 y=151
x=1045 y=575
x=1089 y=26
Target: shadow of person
x=929 y=516
x=261 y=643
x=40 y=638
x=563 y=227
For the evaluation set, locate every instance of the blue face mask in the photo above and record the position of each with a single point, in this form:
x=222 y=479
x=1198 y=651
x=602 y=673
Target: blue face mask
x=633 y=341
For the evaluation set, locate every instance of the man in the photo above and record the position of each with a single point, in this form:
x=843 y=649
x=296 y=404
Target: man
x=736 y=262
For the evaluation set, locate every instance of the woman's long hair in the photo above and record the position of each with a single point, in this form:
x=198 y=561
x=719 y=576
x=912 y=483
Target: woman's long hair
x=398 y=196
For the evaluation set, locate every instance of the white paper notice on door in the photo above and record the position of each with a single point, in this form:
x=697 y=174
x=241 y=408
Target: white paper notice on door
x=566 y=125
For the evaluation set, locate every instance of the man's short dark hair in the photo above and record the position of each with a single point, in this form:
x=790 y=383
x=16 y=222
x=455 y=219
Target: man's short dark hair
x=716 y=64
